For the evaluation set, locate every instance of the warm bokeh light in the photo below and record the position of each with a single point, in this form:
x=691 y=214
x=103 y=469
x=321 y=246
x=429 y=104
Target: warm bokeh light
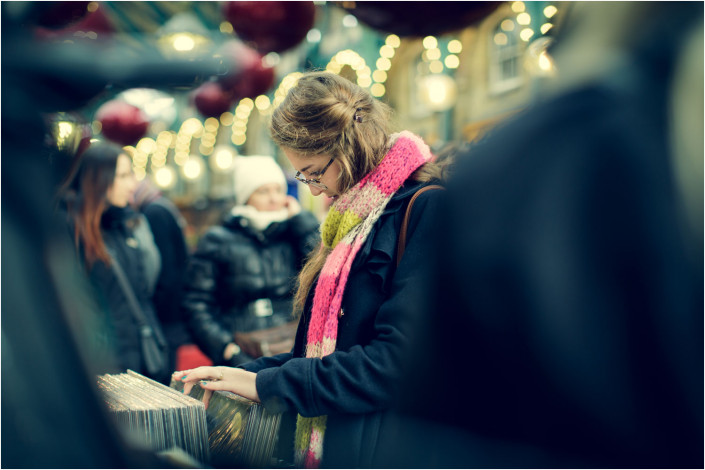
x=393 y=40
x=455 y=46
x=507 y=25
x=526 y=34
x=386 y=51
x=222 y=158
x=193 y=167
x=165 y=177
x=383 y=64
x=146 y=145
x=549 y=11
x=433 y=54
x=452 y=61
x=436 y=66
x=377 y=90
x=379 y=76
x=429 y=42
x=524 y=19
x=262 y=102
x=191 y=126
x=183 y=42
x=438 y=92
x=238 y=139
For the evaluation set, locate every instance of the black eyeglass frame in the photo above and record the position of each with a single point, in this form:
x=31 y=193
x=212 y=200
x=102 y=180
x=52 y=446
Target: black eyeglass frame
x=315 y=182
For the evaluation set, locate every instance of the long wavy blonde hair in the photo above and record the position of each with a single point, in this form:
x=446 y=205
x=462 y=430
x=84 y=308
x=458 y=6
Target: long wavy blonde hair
x=326 y=114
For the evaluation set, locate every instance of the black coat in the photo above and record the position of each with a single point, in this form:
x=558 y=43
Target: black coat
x=140 y=261
x=571 y=333
x=166 y=224
x=234 y=265
x=356 y=384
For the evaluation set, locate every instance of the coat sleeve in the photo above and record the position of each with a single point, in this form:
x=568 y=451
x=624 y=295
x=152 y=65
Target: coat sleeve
x=303 y=229
x=199 y=302
x=363 y=378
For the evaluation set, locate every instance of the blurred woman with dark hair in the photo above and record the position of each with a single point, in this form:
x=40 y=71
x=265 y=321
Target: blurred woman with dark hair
x=118 y=252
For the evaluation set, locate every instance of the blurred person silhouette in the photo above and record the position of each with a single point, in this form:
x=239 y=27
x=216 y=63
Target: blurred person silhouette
x=567 y=301
x=167 y=225
x=336 y=386
x=116 y=247
x=239 y=282
x=48 y=307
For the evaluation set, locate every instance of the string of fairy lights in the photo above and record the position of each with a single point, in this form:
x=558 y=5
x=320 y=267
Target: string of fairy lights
x=151 y=154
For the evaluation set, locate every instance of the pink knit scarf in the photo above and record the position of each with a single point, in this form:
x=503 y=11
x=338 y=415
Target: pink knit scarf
x=345 y=229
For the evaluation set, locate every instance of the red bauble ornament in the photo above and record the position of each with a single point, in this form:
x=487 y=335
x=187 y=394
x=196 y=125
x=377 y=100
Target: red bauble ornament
x=122 y=122
x=271 y=26
x=419 y=19
x=249 y=77
x=211 y=100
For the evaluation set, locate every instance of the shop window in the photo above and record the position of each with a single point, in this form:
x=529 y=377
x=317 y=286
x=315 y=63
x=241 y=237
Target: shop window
x=505 y=57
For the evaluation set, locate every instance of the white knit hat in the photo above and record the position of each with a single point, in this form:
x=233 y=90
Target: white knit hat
x=252 y=172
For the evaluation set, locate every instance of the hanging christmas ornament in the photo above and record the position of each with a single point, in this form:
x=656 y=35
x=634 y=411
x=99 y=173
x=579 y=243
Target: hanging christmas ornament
x=421 y=18
x=271 y=26
x=211 y=100
x=156 y=105
x=122 y=122
x=248 y=77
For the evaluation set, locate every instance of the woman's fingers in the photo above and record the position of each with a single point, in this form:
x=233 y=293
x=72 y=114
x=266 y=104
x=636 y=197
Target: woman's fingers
x=206 y=396
x=199 y=373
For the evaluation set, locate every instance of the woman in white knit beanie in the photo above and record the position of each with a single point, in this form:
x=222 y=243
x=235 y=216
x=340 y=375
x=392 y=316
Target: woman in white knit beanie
x=260 y=191
x=241 y=275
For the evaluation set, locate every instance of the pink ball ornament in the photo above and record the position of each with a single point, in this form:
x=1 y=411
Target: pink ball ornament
x=121 y=122
x=249 y=77
x=211 y=100
x=271 y=26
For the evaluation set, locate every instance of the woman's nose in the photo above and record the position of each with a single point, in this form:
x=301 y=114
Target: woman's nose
x=314 y=190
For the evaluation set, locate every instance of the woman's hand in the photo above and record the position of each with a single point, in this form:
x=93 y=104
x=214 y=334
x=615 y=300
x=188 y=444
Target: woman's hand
x=293 y=206
x=230 y=379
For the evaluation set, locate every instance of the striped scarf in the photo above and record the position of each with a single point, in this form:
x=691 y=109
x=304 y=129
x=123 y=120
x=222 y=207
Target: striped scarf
x=345 y=229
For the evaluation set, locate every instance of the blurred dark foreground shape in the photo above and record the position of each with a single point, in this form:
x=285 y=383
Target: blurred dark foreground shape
x=51 y=414
x=566 y=322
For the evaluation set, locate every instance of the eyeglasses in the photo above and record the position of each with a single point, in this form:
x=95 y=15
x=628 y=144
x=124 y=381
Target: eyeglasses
x=315 y=182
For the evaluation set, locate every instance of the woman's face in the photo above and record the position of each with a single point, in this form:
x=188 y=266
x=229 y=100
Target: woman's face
x=314 y=168
x=120 y=192
x=268 y=197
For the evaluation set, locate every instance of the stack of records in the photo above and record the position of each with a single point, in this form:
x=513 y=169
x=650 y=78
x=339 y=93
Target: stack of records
x=155 y=415
x=241 y=433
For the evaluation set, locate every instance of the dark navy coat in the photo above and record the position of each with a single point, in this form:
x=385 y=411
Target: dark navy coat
x=357 y=384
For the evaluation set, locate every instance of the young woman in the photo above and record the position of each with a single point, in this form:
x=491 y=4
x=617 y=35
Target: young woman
x=240 y=278
x=341 y=378
x=107 y=232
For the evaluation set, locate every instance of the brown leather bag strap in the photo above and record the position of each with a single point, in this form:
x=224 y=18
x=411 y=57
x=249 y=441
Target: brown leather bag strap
x=401 y=243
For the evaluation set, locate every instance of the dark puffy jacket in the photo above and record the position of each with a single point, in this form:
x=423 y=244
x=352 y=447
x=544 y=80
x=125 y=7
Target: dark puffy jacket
x=235 y=265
